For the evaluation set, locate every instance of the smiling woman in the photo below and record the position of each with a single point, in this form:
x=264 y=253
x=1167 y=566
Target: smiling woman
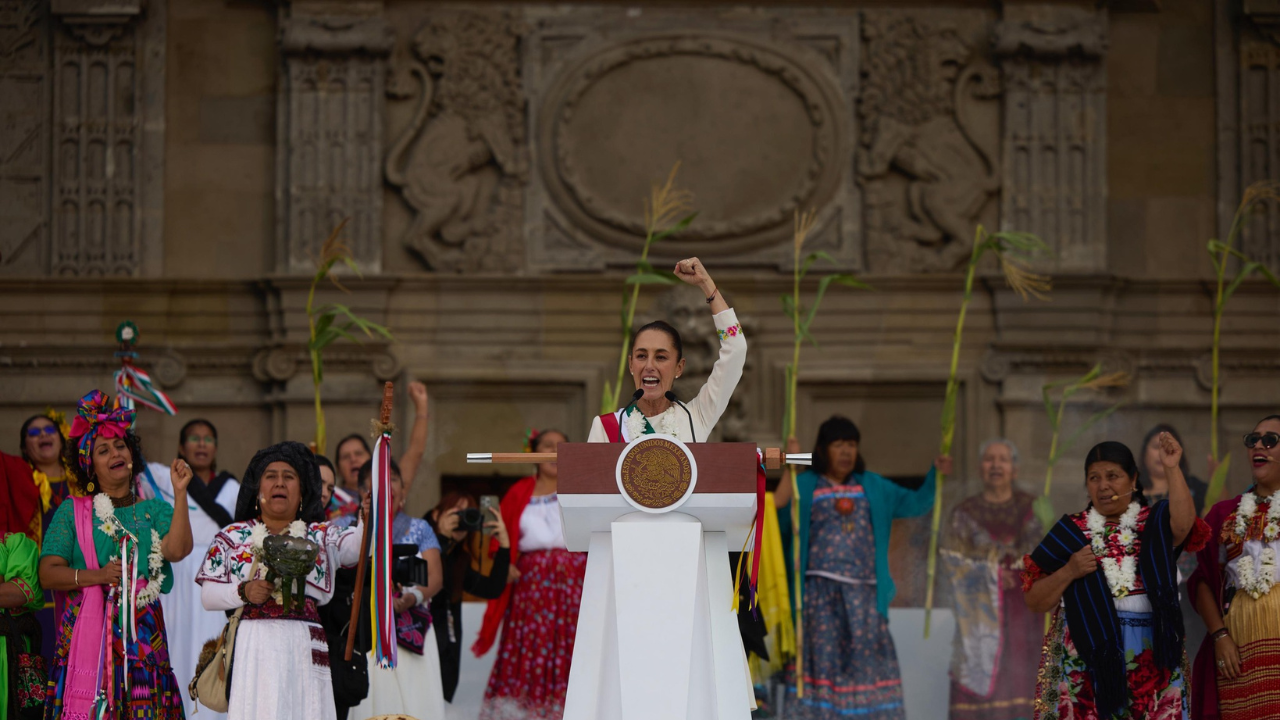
x=81 y=560
x=1233 y=590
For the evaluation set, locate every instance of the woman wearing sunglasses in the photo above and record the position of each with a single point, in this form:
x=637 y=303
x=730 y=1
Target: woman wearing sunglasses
x=42 y=441
x=1235 y=671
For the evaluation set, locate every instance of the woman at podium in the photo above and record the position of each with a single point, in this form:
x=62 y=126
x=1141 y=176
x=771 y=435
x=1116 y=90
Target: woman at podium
x=657 y=361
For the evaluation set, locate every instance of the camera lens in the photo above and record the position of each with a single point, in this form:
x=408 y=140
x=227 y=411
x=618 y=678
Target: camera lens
x=471 y=520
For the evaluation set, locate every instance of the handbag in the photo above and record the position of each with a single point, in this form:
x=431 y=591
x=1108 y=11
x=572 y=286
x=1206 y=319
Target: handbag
x=211 y=686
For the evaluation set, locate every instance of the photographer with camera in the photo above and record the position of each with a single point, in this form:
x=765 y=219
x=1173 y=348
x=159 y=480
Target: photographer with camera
x=413 y=687
x=458 y=523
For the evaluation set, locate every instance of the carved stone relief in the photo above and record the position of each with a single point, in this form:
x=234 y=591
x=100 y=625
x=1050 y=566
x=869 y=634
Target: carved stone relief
x=24 y=137
x=621 y=97
x=330 y=115
x=928 y=154
x=1259 y=142
x=1055 y=162
x=462 y=163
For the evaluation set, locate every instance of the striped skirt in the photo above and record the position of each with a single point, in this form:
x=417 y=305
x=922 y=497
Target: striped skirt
x=153 y=692
x=1255 y=627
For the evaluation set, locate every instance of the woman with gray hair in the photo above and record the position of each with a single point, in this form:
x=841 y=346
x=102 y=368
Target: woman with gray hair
x=997 y=644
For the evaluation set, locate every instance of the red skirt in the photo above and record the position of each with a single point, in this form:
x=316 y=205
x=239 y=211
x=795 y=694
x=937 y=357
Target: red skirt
x=531 y=673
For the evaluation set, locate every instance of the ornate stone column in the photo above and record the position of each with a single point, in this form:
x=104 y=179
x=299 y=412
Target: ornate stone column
x=329 y=132
x=1055 y=129
x=107 y=144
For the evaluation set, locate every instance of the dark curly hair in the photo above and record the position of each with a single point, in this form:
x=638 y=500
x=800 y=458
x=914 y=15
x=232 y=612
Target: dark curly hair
x=80 y=478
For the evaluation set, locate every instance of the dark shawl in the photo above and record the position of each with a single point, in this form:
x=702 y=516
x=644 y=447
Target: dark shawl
x=1091 y=610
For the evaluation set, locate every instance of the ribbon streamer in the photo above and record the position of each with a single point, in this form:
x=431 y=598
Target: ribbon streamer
x=134 y=387
x=382 y=599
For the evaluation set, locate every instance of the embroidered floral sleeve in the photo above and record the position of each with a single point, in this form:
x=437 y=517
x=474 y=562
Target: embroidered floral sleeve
x=1031 y=572
x=1198 y=537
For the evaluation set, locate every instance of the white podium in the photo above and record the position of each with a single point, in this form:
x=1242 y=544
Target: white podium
x=657 y=635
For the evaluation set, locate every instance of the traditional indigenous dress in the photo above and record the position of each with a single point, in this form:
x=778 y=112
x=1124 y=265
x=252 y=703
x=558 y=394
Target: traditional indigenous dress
x=281 y=665
x=849 y=662
x=1115 y=646
x=413 y=688
x=82 y=666
x=1239 y=565
x=997 y=643
x=538 y=613
x=22 y=672
x=210 y=507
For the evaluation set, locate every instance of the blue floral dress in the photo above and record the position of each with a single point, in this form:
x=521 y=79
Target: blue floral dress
x=850 y=665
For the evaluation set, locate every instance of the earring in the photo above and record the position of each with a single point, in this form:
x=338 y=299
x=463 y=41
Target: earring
x=89 y=487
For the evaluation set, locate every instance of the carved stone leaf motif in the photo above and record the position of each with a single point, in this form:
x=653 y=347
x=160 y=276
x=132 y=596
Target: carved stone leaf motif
x=928 y=155
x=461 y=164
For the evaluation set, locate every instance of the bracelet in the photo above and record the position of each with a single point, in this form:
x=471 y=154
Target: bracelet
x=712 y=296
x=416 y=593
x=1221 y=634
x=77 y=577
x=241 y=593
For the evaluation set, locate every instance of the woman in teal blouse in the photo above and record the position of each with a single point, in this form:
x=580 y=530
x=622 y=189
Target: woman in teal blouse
x=849 y=665
x=21 y=667
x=110 y=553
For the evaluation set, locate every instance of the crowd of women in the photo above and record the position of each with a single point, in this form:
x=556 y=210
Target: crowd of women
x=145 y=562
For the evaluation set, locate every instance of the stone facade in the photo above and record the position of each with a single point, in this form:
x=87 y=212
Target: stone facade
x=179 y=163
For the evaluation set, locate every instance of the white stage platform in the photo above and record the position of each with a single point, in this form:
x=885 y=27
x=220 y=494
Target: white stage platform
x=924 y=664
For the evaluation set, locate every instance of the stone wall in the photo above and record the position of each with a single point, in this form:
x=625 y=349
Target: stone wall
x=179 y=164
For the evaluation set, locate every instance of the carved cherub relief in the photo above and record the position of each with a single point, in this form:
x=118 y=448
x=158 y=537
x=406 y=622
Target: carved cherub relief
x=460 y=164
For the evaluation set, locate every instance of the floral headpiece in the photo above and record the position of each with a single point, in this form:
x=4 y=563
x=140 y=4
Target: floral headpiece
x=530 y=439
x=59 y=418
x=96 y=419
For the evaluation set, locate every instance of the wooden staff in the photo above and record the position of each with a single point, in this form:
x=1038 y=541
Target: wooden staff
x=385 y=419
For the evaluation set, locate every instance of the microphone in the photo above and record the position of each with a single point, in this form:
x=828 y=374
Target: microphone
x=635 y=398
x=1117 y=497
x=672 y=397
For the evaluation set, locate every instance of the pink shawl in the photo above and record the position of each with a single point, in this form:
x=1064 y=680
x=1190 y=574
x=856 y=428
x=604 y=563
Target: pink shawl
x=84 y=660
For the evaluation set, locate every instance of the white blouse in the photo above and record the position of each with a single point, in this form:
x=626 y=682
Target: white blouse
x=707 y=407
x=540 y=526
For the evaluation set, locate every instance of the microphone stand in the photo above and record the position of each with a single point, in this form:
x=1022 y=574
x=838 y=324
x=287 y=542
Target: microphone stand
x=672 y=398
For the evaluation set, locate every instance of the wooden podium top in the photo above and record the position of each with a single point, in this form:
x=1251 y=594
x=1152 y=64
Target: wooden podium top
x=590 y=468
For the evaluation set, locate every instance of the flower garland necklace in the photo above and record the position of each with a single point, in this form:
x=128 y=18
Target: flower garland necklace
x=1244 y=518
x=1122 y=574
x=1257 y=581
x=111 y=526
x=664 y=423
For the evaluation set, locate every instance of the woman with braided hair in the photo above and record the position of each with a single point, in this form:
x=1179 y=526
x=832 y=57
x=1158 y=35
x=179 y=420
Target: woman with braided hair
x=85 y=550
x=280 y=667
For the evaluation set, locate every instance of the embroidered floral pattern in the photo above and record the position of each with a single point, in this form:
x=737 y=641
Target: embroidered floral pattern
x=1245 y=524
x=733 y=330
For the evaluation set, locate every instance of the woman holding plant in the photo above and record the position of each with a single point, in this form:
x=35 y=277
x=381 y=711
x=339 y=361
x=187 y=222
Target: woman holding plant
x=850 y=666
x=280 y=667
x=1233 y=589
x=1109 y=574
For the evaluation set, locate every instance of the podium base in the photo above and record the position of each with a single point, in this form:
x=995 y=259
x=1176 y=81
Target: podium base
x=657 y=636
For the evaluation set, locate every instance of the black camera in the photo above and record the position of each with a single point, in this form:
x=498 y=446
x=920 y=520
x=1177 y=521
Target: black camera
x=470 y=519
x=409 y=568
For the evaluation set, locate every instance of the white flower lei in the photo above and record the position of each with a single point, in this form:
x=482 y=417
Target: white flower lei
x=1259 y=583
x=111 y=526
x=1248 y=508
x=1121 y=575
x=668 y=422
x=258 y=533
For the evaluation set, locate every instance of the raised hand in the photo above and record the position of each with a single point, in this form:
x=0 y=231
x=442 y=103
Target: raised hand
x=943 y=464
x=692 y=272
x=1170 y=451
x=180 y=473
x=418 y=394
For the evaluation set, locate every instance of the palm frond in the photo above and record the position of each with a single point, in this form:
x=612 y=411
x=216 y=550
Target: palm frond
x=666 y=202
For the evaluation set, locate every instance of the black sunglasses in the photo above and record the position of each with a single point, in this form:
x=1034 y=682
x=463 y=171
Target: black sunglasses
x=1268 y=440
